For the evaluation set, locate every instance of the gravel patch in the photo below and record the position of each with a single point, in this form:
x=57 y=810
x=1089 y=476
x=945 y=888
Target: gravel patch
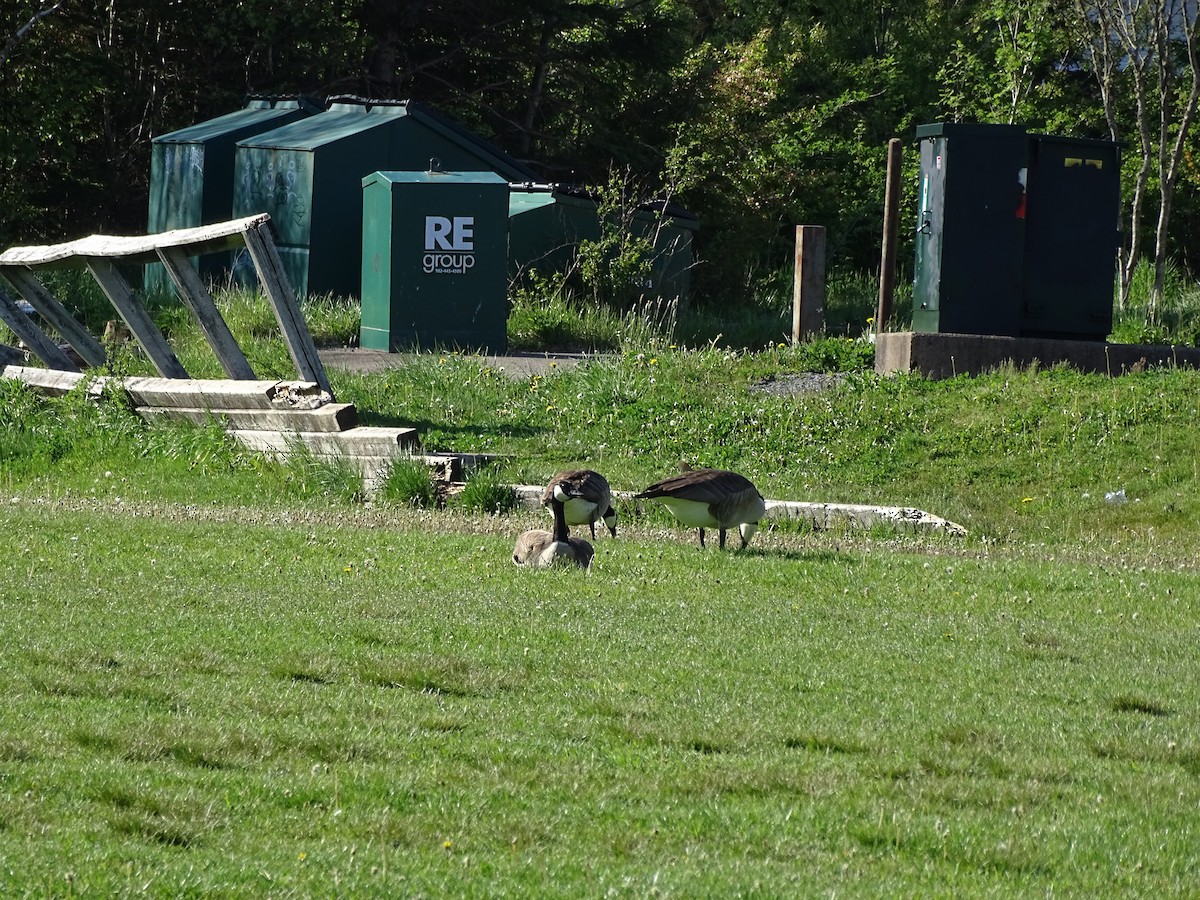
x=793 y=385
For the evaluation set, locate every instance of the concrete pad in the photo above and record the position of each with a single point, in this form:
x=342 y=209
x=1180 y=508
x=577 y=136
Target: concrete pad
x=936 y=355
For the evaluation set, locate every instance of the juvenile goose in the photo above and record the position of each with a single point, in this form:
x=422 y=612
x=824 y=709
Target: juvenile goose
x=586 y=498
x=538 y=548
x=710 y=498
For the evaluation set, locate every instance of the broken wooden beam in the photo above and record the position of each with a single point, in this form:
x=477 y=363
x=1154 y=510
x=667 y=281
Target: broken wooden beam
x=329 y=418
x=363 y=441
x=282 y=298
x=195 y=294
x=226 y=393
x=215 y=394
x=39 y=298
x=55 y=382
x=33 y=336
x=136 y=248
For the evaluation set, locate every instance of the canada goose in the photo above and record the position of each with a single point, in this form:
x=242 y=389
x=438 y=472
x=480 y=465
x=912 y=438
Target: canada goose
x=585 y=496
x=710 y=498
x=538 y=548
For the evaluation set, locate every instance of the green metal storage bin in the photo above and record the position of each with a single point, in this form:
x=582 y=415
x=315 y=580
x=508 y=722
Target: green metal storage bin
x=548 y=222
x=434 y=261
x=308 y=175
x=970 y=229
x=191 y=173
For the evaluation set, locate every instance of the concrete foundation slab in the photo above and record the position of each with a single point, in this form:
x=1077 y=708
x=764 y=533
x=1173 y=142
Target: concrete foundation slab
x=940 y=355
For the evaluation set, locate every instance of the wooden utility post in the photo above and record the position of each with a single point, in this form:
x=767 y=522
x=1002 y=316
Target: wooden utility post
x=891 y=218
x=808 y=294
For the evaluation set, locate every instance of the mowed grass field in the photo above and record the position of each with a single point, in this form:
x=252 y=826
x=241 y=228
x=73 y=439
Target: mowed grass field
x=221 y=681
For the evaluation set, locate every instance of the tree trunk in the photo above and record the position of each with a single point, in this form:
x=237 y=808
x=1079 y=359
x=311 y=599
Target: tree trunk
x=1127 y=36
x=537 y=84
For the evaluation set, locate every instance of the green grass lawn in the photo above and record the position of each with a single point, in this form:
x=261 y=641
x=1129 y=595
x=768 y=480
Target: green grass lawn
x=314 y=707
x=224 y=676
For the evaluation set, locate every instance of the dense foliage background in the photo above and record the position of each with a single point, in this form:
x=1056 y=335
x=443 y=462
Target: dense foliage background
x=756 y=115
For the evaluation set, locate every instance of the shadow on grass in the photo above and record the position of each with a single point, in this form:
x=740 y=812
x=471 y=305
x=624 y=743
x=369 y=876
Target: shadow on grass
x=443 y=431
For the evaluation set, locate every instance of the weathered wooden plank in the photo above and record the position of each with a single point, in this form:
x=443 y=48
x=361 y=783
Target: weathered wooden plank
x=361 y=441
x=221 y=393
x=127 y=304
x=10 y=356
x=333 y=417
x=194 y=293
x=216 y=394
x=136 y=248
x=287 y=309
x=31 y=288
x=808 y=289
x=54 y=382
x=32 y=334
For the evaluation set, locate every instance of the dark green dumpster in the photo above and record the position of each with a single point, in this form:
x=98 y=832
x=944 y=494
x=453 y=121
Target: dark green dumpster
x=548 y=222
x=308 y=175
x=191 y=172
x=434 y=261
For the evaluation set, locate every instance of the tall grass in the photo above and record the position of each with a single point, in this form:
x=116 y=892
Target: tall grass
x=545 y=315
x=1176 y=320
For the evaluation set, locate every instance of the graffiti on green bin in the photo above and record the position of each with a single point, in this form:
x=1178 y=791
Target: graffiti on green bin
x=280 y=190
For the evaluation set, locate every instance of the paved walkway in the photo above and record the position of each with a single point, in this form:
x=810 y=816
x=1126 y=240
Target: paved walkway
x=517 y=364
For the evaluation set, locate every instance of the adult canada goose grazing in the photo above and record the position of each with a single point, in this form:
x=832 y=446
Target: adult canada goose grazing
x=710 y=498
x=586 y=498
x=538 y=548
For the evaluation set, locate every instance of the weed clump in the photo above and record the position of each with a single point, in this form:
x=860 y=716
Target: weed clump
x=407 y=483
x=486 y=491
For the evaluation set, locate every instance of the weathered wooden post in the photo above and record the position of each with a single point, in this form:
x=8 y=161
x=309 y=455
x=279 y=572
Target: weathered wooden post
x=891 y=218
x=808 y=295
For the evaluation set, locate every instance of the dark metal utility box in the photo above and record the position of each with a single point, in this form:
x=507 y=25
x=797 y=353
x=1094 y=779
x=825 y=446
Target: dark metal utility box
x=1016 y=233
x=970 y=230
x=1072 y=233
x=434 y=261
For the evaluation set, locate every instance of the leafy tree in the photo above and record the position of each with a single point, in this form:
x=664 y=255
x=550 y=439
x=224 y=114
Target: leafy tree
x=83 y=93
x=791 y=110
x=1016 y=62
x=1145 y=52
x=756 y=114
